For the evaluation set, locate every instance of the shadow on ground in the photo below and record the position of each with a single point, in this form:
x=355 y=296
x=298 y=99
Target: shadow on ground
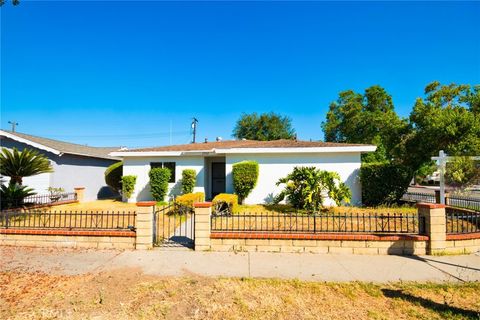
x=443 y=310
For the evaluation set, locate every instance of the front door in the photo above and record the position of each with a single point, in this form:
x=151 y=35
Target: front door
x=218 y=178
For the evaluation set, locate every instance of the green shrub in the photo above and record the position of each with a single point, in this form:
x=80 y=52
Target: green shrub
x=189 y=177
x=184 y=203
x=307 y=188
x=384 y=183
x=225 y=202
x=128 y=185
x=113 y=176
x=13 y=195
x=159 y=178
x=245 y=176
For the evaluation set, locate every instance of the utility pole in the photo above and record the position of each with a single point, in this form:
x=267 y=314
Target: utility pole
x=14 y=124
x=194 y=129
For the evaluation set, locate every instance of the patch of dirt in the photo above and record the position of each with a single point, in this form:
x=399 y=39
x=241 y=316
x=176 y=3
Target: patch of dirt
x=129 y=294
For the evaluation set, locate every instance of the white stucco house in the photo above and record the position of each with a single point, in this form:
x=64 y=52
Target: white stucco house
x=213 y=163
x=74 y=165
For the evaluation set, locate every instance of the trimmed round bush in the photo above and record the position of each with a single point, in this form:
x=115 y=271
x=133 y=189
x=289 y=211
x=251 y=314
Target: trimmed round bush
x=189 y=178
x=245 y=177
x=159 y=178
x=128 y=185
x=113 y=176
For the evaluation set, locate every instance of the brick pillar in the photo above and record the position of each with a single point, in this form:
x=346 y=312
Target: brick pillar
x=203 y=211
x=80 y=193
x=435 y=226
x=144 y=225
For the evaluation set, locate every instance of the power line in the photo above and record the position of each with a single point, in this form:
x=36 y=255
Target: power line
x=126 y=136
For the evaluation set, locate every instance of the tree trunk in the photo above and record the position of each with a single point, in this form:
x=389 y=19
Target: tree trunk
x=16 y=180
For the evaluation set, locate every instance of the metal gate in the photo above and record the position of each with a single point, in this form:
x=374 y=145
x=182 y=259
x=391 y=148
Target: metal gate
x=174 y=226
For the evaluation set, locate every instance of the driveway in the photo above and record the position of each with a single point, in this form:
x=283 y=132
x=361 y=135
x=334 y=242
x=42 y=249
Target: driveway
x=310 y=267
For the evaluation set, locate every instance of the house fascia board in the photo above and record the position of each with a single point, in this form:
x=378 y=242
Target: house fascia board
x=243 y=151
x=31 y=143
x=298 y=150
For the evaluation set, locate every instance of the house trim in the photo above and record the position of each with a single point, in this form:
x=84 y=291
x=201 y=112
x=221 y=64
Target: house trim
x=242 y=151
x=31 y=143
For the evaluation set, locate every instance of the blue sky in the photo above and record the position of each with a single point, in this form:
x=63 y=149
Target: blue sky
x=124 y=73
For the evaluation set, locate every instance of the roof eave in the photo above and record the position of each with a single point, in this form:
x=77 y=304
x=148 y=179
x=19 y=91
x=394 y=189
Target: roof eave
x=31 y=143
x=361 y=149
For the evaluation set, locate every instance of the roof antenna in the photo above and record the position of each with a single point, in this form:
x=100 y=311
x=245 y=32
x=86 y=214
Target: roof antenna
x=14 y=124
x=194 y=129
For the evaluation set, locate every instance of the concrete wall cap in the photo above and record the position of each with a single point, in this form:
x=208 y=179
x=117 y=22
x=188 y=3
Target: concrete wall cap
x=430 y=205
x=202 y=204
x=146 y=203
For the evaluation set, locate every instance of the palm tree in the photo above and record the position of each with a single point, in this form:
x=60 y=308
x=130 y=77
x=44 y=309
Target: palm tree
x=16 y=165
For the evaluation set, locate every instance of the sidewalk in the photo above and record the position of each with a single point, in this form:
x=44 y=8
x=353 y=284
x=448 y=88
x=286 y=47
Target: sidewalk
x=310 y=267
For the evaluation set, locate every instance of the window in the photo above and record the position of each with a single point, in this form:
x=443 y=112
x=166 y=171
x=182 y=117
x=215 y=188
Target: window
x=168 y=165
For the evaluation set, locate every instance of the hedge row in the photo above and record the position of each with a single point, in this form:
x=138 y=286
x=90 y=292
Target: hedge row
x=384 y=183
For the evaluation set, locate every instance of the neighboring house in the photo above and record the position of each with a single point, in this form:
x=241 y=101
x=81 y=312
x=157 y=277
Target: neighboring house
x=74 y=165
x=213 y=163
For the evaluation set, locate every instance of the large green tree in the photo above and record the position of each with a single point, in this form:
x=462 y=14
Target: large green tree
x=447 y=118
x=263 y=127
x=366 y=118
x=17 y=165
x=14 y=2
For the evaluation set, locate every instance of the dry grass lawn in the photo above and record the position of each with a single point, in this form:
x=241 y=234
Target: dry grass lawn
x=128 y=294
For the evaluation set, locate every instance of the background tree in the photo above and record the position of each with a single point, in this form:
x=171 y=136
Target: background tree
x=263 y=127
x=368 y=118
x=14 y=2
x=447 y=119
x=462 y=171
x=17 y=165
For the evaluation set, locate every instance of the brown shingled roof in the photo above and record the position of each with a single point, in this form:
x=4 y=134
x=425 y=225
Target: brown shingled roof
x=71 y=148
x=232 y=144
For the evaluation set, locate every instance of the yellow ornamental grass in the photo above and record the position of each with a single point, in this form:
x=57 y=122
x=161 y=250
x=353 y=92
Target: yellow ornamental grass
x=225 y=203
x=187 y=200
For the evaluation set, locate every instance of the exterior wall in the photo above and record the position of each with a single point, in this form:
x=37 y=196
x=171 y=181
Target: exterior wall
x=374 y=247
x=272 y=167
x=69 y=171
x=141 y=166
x=41 y=238
x=72 y=171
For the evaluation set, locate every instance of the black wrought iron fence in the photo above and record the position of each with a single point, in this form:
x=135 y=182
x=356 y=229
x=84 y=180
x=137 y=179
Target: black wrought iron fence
x=41 y=200
x=72 y=220
x=317 y=223
x=463 y=202
x=462 y=221
x=419 y=197
x=174 y=224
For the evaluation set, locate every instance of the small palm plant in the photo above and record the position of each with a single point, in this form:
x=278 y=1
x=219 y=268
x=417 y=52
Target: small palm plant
x=12 y=196
x=308 y=187
x=17 y=165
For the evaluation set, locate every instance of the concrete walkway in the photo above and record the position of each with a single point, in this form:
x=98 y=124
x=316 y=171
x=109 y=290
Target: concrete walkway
x=310 y=267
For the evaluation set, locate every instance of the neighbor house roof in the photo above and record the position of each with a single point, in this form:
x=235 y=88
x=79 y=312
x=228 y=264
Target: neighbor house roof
x=59 y=147
x=249 y=146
